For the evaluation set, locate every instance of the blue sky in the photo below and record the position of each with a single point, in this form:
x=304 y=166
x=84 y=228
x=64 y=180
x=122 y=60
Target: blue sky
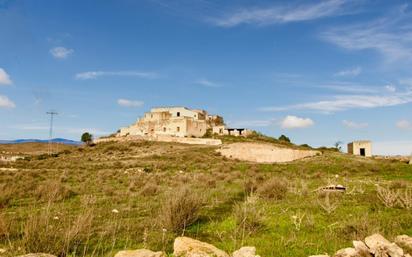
x=317 y=71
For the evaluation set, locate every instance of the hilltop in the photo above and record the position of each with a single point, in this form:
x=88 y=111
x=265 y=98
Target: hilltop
x=95 y=201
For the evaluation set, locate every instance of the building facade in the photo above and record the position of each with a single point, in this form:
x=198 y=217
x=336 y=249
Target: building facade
x=179 y=122
x=360 y=148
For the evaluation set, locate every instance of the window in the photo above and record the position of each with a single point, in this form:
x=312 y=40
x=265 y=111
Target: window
x=151 y=115
x=164 y=129
x=178 y=129
x=178 y=114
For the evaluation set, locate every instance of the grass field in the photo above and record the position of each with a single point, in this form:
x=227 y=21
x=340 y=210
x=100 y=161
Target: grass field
x=94 y=201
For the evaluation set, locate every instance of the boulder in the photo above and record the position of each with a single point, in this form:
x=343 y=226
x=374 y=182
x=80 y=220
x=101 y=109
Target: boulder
x=246 y=251
x=361 y=248
x=37 y=255
x=188 y=247
x=139 y=253
x=405 y=242
x=347 y=252
x=381 y=247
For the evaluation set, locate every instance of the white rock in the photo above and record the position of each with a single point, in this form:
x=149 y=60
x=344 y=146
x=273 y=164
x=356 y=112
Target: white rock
x=405 y=242
x=188 y=247
x=347 y=252
x=246 y=251
x=360 y=246
x=380 y=246
x=139 y=253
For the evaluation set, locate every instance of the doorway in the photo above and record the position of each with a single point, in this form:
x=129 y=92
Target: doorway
x=362 y=152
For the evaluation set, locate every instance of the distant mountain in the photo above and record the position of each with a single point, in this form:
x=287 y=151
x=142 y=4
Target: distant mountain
x=54 y=140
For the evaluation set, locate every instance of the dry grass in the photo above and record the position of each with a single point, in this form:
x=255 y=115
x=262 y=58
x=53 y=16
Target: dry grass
x=180 y=209
x=274 y=188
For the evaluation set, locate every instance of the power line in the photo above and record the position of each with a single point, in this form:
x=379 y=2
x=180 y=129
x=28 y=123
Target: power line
x=51 y=113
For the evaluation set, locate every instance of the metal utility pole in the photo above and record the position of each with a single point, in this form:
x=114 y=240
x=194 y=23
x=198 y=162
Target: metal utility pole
x=51 y=113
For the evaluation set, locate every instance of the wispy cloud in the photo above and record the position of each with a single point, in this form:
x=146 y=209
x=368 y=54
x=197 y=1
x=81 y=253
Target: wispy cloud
x=351 y=88
x=61 y=52
x=354 y=125
x=404 y=124
x=346 y=102
x=281 y=14
x=5 y=102
x=4 y=78
x=96 y=74
x=207 y=83
x=129 y=103
x=390 y=36
x=292 y=122
x=353 y=72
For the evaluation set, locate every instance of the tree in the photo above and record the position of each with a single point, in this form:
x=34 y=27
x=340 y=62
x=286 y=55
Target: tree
x=284 y=138
x=87 y=138
x=338 y=145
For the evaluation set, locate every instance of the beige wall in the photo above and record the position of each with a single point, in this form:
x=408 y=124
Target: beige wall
x=356 y=146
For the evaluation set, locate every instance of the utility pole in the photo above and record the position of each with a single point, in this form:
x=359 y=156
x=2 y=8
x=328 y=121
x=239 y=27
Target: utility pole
x=51 y=113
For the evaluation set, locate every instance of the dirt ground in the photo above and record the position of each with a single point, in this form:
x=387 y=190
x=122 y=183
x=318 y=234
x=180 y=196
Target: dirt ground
x=264 y=153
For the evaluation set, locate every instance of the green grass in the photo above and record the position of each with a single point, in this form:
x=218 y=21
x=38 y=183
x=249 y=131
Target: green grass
x=86 y=184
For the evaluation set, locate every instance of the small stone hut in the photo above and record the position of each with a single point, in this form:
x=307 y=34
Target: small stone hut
x=360 y=148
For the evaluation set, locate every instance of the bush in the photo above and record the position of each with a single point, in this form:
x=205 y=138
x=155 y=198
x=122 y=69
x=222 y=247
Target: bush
x=248 y=215
x=180 y=209
x=274 y=188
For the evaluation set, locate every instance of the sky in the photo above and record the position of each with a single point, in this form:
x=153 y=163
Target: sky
x=316 y=71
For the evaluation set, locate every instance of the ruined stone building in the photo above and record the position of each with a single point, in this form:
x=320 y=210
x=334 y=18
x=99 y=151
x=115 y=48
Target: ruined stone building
x=361 y=148
x=178 y=122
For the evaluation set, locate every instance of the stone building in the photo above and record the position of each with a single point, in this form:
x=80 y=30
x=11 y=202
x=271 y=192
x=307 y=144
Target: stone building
x=178 y=122
x=361 y=148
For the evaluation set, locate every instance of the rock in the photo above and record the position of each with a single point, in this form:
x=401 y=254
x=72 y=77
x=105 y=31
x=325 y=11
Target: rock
x=188 y=247
x=37 y=255
x=376 y=240
x=360 y=246
x=324 y=255
x=139 y=253
x=246 y=251
x=405 y=242
x=347 y=252
x=380 y=247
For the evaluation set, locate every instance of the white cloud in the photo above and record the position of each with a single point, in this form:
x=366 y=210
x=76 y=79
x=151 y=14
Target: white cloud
x=4 y=78
x=404 y=124
x=5 y=102
x=61 y=52
x=207 y=83
x=354 y=125
x=346 y=102
x=281 y=14
x=389 y=36
x=291 y=122
x=390 y=88
x=353 y=72
x=129 y=103
x=95 y=74
x=350 y=88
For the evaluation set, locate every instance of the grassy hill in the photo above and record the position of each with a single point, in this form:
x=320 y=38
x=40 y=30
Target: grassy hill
x=94 y=201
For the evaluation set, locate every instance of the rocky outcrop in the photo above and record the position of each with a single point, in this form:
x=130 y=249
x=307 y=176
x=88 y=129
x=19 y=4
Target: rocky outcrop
x=139 y=253
x=377 y=246
x=188 y=247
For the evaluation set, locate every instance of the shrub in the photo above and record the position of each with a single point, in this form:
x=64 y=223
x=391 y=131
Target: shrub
x=53 y=190
x=248 y=215
x=274 y=188
x=149 y=189
x=180 y=209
